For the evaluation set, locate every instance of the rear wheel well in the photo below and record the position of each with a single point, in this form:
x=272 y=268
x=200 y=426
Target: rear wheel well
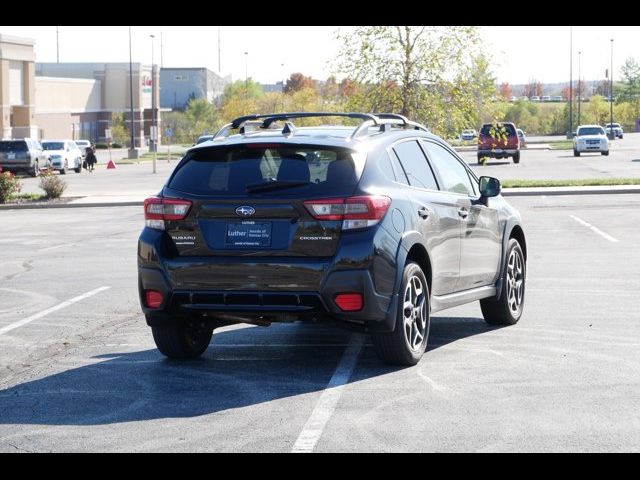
x=419 y=255
x=518 y=234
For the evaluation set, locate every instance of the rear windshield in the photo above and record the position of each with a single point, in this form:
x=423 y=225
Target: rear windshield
x=590 y=131
x=267 y=169
x=493 y=130
x=19 y=146
x=52 y=145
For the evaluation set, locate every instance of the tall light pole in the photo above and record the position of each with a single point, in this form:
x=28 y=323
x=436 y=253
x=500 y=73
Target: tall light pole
x=133 y=153
x=246 y=78
x=579 y=87
x=57 y=45
x=154 y=129
x=612 y=134
x=570 y=132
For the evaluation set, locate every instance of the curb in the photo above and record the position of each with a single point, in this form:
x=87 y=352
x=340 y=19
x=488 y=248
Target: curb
x=506 y=192
x=548 y=191
x=26 y=206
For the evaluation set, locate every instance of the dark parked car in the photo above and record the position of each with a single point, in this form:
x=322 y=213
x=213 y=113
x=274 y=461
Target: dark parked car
x=499 y=140
x=23 y=155
x=377 y=226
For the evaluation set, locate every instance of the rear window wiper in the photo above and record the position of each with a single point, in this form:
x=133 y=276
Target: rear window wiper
x=275 y=185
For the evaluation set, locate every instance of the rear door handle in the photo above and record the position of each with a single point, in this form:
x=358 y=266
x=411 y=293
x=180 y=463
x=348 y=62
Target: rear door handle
x=423 y=212
x=463 y=212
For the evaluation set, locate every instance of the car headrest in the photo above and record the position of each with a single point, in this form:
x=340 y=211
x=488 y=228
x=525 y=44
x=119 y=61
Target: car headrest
x=340 y=171
x=294 y=168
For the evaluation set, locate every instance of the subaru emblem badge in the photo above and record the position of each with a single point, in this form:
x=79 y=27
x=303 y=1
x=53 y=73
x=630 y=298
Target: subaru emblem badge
x=245 y=211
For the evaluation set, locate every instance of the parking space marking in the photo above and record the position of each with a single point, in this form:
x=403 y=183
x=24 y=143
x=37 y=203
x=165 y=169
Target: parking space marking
x=328 y=401
x=46 y=249
x=55 y=308
x=594 y=229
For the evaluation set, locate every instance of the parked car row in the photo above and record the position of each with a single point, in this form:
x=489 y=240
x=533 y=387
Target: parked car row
x=31 y=156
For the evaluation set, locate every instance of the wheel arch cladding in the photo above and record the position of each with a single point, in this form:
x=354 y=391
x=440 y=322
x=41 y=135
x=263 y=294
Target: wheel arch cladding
x=418 y=254
x=518 y=234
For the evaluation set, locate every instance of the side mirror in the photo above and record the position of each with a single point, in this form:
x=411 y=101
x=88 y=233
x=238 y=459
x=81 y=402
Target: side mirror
x=490 y=187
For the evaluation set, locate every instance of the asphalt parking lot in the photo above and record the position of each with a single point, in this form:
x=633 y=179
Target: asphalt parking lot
x=79 y=370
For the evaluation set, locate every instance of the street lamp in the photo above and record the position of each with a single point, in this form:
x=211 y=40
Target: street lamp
x=579 y=88
x=612 y=134
x=154 y=131
x=133 y=153
x=246 y=78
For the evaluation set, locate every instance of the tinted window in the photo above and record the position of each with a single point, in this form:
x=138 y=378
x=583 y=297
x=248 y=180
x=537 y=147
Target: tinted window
x=590 y=131
x=495 y=129
x=386 y=168
x=53 y=145
x=221 y=171
x=13 y=146
x=415 y=165
x=454 y=175
x=401 y=177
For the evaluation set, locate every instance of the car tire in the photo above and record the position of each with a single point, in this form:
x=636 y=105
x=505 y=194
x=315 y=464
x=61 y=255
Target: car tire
x=606 y=154
x=621 y=137
x=78 y=169
x=35 y=170
x=576 y=153
x=406 y=344
x=516 y=157
x=508 y=309
x=182 y=342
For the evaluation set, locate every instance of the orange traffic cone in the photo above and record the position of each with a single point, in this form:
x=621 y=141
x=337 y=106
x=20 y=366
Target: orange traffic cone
x=111 y=164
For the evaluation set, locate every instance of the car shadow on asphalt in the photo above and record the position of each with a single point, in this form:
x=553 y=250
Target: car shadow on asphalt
x=242 y=367
x=492 y=164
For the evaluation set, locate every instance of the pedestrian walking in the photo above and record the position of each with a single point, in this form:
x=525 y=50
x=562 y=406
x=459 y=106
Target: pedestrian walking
x=90 y=158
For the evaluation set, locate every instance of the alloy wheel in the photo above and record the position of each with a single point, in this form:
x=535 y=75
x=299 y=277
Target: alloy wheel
x=415 y=312
x=515 y=282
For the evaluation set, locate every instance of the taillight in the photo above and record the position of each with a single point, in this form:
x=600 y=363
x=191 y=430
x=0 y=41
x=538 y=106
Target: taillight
x=153 y=298
x=355 y=212
x=349 y=302
x=157 y=210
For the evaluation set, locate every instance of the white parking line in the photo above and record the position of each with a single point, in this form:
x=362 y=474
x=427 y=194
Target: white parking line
x=46 y=249
x=326 y=405
x=55 y=308
x=594 y=229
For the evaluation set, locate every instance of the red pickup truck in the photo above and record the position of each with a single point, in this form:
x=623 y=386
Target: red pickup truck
x=498 y=140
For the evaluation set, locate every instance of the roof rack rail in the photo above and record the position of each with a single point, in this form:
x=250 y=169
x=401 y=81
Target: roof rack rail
x=384 y=120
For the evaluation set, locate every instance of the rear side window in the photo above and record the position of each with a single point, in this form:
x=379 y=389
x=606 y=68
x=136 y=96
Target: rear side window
x=13 y=146
x=496 y=129
x=454 y=175
x=245 y=169
x=415 y=165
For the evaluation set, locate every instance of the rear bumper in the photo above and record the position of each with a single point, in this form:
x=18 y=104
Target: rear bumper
x=497 y=153
x=267 y=306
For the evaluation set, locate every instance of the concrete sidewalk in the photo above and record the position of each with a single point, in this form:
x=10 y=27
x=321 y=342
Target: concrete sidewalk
x=137 y=199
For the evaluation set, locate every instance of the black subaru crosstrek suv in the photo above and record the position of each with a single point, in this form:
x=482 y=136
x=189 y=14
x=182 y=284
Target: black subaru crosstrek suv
x=376 y=225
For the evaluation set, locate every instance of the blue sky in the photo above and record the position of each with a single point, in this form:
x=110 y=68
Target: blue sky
x=519 y=53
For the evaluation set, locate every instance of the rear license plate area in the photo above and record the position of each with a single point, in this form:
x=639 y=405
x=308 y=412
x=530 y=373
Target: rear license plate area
x=248 y=234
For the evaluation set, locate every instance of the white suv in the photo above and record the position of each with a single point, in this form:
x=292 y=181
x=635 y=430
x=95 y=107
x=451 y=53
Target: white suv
x=590 y=138
x=617 y=129
x=63 y=155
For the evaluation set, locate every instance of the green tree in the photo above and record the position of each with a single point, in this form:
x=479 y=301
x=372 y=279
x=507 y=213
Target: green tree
x=241 y=89
x=406 y=69
x=119 y=131
x=199 y=118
